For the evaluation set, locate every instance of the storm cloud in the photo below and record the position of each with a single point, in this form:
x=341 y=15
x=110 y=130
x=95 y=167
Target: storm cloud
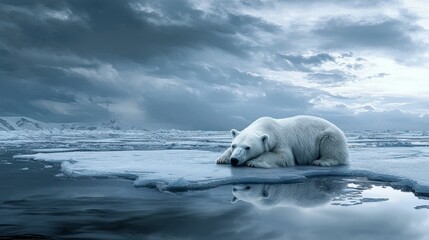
x=202 y=64
x=381 y=34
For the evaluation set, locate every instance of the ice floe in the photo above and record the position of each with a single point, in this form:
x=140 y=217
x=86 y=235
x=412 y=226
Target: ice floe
x=404 y=167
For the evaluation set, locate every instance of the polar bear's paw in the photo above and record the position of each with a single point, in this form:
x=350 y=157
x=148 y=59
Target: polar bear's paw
x=323 y=163
x=223 y=160
x=257 y=164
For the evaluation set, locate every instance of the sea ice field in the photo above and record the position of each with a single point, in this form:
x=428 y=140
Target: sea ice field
x=165 y=185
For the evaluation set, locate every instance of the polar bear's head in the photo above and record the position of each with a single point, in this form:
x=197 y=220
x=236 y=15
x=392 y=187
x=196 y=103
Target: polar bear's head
x=247 y=146
x=252 y=193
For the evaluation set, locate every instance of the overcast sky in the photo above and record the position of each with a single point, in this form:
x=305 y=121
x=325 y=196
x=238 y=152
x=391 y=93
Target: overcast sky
x=216 y=65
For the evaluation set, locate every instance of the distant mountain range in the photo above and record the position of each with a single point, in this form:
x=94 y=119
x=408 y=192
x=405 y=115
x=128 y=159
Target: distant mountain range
x=25 y=123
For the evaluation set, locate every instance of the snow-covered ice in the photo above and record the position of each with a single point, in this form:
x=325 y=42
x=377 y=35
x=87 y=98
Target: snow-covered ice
x=174 y=159
x=404 y=167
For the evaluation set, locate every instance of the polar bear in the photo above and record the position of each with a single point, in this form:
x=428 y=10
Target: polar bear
x=299 y=140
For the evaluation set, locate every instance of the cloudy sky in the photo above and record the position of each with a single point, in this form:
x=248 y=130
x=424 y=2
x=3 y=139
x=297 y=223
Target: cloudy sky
x=216 y=65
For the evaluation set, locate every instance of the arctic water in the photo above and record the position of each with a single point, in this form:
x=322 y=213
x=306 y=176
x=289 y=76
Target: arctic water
x=64 y=184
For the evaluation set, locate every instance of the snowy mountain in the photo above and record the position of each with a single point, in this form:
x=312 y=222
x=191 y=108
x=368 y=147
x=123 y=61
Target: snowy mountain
x=20 y=123
x=25 y=123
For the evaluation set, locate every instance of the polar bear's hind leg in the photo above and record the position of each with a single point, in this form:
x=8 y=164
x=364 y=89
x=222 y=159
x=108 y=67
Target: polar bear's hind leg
x=333 y=149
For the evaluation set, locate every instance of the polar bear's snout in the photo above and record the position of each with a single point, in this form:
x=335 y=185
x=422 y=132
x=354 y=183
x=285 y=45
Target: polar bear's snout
x=234 y=161
x=238 y=156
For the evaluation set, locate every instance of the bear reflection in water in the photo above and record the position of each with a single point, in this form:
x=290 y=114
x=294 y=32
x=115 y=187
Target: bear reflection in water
x=312 y=193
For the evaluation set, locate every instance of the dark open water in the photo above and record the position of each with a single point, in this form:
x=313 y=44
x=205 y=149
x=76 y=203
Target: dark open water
x=34 y=203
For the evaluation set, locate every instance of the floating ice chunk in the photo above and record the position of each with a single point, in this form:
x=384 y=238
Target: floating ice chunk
x=195 y=169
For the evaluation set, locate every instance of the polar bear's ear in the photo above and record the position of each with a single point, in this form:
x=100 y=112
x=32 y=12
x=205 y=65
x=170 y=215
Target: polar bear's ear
x=264 y=139
x=234 y=133
x=234 y=199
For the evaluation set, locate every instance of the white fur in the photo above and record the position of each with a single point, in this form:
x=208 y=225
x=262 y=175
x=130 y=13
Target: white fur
x=300 y=140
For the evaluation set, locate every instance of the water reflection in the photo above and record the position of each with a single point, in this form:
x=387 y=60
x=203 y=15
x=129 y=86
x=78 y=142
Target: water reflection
x=311 y=193
x=34 y=203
